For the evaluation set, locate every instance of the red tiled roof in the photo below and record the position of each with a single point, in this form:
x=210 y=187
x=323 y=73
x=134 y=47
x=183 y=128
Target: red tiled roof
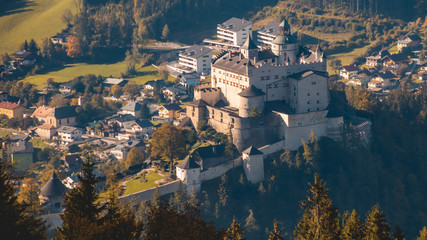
x=9 y=105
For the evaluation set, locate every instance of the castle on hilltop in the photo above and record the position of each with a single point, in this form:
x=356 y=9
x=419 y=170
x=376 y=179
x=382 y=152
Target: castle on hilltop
x=266 y=95
x=268 y=98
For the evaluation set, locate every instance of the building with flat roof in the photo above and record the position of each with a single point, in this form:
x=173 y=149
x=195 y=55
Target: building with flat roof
x=234 y=31
x=196 y=58
x=268 y=33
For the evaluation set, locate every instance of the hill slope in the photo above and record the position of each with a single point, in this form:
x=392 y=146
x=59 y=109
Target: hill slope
x=38 y=19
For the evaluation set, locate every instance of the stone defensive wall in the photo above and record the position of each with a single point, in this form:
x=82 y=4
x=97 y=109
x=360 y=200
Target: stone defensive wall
x=147 y=195
x=220 y=170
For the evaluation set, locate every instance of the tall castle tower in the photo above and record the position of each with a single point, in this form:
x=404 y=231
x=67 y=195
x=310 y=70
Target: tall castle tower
x=253 y=164
x=285 y=45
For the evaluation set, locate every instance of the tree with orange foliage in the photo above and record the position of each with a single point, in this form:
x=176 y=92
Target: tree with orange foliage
x=74 y=48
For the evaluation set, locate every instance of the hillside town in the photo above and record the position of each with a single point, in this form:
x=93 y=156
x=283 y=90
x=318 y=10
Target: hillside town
x=240 y=100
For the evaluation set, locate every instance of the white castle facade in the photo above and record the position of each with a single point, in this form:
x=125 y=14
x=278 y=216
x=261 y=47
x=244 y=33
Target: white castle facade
x=271 y=96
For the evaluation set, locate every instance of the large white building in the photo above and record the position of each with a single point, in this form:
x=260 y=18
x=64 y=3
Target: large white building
x=269 y=32
x=234 y=31
x=286 y=84
x=196 y=58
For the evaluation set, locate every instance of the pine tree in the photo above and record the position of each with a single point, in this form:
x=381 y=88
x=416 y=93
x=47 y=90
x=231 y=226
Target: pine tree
x=376 y=225
x=423 y=234
x=250 y=222
x=234 y=232
x=165 y=32
x=320 y=220
x=398 y=234
x=352 y=227
x=275 y=233
x=17 y=221
x=80 y=218
x=223 y=191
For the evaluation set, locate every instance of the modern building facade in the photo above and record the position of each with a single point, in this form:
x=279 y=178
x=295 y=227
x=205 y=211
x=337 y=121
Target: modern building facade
x=234 y=31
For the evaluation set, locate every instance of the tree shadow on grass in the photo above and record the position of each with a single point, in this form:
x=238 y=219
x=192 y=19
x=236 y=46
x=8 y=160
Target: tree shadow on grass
x=15 y=6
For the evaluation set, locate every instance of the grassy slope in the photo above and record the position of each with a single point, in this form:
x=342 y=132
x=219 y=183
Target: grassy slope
x=136 y=185
x=143 y=75
x=39 y=20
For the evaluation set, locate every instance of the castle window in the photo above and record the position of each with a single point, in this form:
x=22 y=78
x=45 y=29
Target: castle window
x=308 y=94
x=300 y=123
x=192 y=114
x=267 y=77
x=308 y=110
x=318 y=93
x=318 y=102
x=232 y=120
x=276 y=76
x=273 y=60
x=276 y=85
x=313 y=83
x=194 y=108
x=309 y=102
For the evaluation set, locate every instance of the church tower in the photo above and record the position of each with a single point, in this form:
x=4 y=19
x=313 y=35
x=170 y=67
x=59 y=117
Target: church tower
x=250 y=49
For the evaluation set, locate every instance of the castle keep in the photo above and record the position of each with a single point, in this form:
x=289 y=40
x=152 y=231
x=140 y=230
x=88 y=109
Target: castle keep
x=266 y=95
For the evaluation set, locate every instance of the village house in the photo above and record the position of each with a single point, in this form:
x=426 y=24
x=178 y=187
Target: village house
x=168 y=112
x=121 y=150
x=376 y=58
x=408 y=41
x=234 y=31
x=347 y=71
x=12 y=110
x=395 y=60
x=173 y=93
x=67 y=134
x=110 y=82
x=24 y=58
x=60 y=38
x=150 y=85
x=124 y=121
x=133 y=108
x=140 y=129
x=65 y=87
x=46 y=131
x=189 y=79
x=382 y=80
x=21 y=151
x=196 y=58
x=57 y=117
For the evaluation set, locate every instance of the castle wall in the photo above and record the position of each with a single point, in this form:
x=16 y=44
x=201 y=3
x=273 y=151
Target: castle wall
x=334 y=127
x=272 y=148
x=220 y=170
x=209 y=95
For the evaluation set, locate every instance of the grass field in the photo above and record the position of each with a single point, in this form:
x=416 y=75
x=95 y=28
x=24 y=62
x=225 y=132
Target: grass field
x=143 y=74
x=347 y=57
x=136 y=185
x=38 y=143
x=38 y=19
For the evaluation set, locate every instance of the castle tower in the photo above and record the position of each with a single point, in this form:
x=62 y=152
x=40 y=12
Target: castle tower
x=197 y=111
x=249 y=98
x=285 y=45
x=249 y=49
x=253 y=164
x=188 y=171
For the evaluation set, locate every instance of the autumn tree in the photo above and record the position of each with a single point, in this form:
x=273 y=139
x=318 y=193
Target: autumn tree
x=275 y=233
x=398 y=233
x=168 y=142
x=131 y=89
x=335 y=65
x=320 y=220
x=165 y=32
x=134 y=157
x=116 y=91
x=376 y=225
x=17 y=221
x=74 y=48
x=234 y=232
x=29 y=193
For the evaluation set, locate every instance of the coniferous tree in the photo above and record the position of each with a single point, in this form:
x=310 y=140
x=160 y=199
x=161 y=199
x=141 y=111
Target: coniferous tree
x=398 y=234
x=17 y=221
x=352 y=227
x=234 y=232
x=320 y=220
x=80 y=218
x=250 y=222
x=376 y=225
x=275 y=233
